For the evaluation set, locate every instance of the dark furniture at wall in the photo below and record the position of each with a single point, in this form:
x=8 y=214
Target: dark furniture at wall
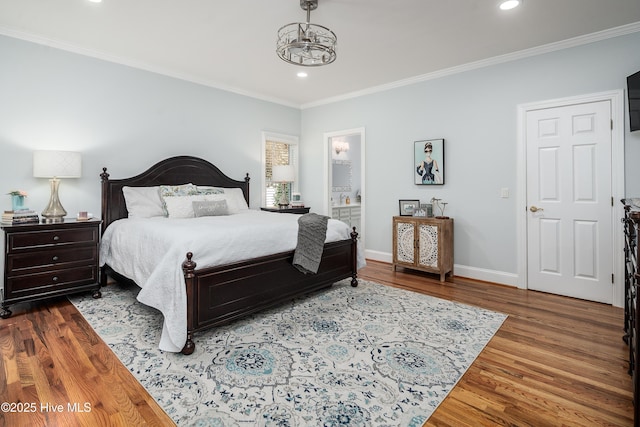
x=302 y=210
x=218 y=295
x=631 y=222
x=47 y=260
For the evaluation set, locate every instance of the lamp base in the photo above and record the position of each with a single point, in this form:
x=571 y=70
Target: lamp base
x=54 y=212
x=53 y=220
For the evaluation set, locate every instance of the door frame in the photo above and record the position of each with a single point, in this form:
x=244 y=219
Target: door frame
x=326 y=167
x=616 y=98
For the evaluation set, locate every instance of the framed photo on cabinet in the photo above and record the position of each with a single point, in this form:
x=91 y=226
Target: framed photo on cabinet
x=408 y=207
x=428 y=162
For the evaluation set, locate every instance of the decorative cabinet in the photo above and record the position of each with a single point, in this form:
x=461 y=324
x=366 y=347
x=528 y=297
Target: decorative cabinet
x=424 y=244
x=47 y=260
x=350 y=215
x=631 y=224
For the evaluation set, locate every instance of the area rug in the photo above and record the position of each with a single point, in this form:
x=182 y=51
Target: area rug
x=367 y=356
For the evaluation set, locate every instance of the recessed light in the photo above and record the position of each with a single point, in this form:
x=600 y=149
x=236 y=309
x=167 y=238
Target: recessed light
x=95 y=1
x=509 y=4
x=302 y=74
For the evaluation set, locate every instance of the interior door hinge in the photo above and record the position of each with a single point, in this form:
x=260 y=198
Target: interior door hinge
x=611 y=200
x=611 y=124
x=612 y=278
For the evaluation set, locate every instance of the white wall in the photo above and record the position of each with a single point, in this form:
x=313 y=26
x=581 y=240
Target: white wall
x=475 y=112
x=119 y=117
x=122 y=118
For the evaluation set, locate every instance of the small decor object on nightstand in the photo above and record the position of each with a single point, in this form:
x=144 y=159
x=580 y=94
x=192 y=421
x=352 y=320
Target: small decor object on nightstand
x=17 y=199
x=23 y=216
x=84 y=216
x=296 y=201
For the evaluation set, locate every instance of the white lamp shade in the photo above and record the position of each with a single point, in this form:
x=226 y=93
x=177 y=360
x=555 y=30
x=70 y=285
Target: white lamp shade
x=283 y=173
x=59 y=164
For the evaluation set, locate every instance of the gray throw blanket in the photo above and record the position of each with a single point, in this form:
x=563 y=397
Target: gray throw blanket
x=312 y=232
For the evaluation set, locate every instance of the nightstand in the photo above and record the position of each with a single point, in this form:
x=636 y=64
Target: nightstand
x=302 y=210
x=47 y=260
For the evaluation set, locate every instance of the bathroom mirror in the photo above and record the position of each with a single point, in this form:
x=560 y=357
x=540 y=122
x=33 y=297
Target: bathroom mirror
x=341 y=175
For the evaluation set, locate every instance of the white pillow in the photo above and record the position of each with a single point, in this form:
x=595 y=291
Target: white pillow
x=143 y=202
x=182 y=206
x=236 y=200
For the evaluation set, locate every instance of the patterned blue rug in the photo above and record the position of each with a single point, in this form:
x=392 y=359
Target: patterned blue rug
x=367 y=356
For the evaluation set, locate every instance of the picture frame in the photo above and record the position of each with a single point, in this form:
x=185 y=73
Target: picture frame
x=428 y=166
x=408 y=207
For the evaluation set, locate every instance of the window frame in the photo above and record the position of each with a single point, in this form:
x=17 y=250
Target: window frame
x=293 y=142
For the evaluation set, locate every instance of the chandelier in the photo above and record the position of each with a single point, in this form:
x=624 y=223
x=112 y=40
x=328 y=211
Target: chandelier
x=305 y=43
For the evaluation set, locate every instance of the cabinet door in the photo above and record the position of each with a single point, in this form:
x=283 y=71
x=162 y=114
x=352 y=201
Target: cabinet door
x=428 y=245
x=405 y=242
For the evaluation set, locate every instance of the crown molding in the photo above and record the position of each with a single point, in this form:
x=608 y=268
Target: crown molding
x=137 y=65
x=514 y=56
x=539 y=50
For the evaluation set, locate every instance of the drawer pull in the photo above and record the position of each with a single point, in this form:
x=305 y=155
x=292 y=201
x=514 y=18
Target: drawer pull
x=55 y=278
x=55 y=238
x=55 y=257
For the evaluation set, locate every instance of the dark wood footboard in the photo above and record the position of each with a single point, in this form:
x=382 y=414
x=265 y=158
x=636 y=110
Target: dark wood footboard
x=219 y=295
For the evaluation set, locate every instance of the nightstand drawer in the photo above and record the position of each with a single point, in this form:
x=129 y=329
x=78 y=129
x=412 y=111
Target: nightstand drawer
x=56 y=258
x=40 y=239
x=50 y=281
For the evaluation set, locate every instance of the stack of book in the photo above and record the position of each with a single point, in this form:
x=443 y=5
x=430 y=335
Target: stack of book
x=22 y=216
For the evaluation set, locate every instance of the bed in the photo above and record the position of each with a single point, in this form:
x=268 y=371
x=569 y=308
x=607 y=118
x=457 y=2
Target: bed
x=219 y=294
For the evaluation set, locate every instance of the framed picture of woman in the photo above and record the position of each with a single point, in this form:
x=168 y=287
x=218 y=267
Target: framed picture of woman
x=428 y=163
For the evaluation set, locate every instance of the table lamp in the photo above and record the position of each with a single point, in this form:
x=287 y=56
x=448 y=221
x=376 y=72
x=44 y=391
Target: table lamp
x=56 y=165
x=284 y=174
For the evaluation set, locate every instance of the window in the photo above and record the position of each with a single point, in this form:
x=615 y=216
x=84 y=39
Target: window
x=278 y=150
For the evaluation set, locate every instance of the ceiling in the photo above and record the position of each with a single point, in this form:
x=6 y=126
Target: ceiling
x=230 y=44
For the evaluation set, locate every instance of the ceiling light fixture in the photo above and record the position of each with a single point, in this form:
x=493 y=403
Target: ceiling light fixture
x=302 y=74
x=307 y=44
x=509 y=4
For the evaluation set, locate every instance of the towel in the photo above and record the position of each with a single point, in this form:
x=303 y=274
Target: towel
x=312 y=232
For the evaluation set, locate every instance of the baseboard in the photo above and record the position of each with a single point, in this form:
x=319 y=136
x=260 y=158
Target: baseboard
x=378 y=256
x=486 y=275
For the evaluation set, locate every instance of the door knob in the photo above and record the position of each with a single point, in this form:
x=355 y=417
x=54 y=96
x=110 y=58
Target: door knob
x=535 y=209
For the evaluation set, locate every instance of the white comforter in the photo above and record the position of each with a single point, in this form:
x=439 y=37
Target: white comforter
x=151 y=251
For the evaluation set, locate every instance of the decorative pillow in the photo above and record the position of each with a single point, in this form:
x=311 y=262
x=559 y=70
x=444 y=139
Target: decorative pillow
x=143 y=202
x=234 y=204
x=182 y=206
x=209 y=190
x=168 y=191
x=210 y=208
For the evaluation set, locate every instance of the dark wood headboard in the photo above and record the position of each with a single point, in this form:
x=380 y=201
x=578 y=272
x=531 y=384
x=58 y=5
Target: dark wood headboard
x=172 y=171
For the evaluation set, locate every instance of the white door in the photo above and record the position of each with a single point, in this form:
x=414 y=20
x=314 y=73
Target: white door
x=569 y=200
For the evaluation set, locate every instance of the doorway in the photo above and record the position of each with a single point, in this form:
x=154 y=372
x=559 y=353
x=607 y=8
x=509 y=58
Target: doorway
x=344 y=178
x=572 y=156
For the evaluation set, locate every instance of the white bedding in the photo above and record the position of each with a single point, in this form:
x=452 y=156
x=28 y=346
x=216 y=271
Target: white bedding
x=150 y=251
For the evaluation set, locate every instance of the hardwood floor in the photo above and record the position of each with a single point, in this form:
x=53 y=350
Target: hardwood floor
x=555 y=361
